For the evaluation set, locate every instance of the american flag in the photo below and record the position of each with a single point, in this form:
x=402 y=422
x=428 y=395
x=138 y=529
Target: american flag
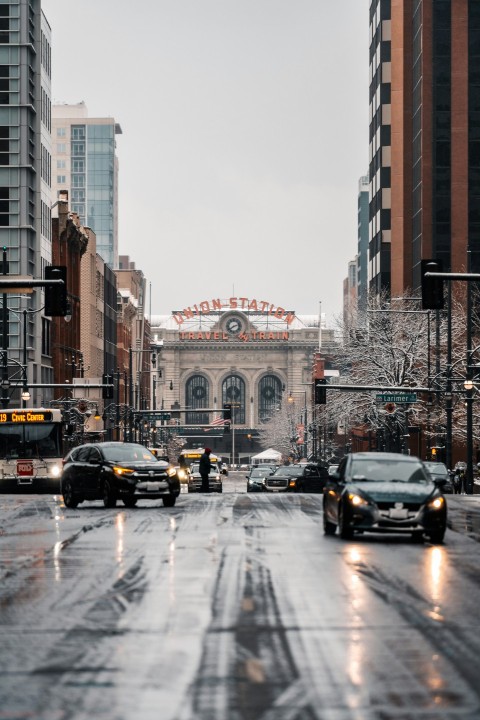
x=217 y=420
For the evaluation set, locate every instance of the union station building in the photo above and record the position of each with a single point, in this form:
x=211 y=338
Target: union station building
x=239 y=351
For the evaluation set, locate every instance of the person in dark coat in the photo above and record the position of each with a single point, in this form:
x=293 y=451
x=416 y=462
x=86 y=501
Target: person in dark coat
x=204 y=469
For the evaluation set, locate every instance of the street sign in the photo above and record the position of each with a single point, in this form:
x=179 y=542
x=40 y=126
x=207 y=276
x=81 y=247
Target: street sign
x=397 y=397
x=13 y=284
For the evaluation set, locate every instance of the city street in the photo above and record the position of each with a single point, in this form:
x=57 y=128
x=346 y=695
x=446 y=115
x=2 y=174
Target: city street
x=233 y=606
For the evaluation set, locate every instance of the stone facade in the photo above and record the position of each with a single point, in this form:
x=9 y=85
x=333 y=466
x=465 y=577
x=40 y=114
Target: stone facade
x=220 y=352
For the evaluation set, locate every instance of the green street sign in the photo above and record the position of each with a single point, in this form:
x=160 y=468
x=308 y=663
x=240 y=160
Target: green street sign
x=397 y=397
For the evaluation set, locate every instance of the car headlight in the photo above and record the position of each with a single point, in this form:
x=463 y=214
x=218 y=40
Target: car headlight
x=118 y=470
x=292 y=483
x=54 y=470
x=182 y=474
x=217 y=477
x=436 y=504
x=356 y=500
x=171 y=472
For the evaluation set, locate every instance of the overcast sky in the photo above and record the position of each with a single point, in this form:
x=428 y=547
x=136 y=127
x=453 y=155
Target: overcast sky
x=245 y=132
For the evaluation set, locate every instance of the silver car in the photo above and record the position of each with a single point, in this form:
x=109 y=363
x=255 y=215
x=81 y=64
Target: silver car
x=214 y=479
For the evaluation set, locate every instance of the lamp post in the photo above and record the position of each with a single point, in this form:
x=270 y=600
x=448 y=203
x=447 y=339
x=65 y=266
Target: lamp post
x=469 y=384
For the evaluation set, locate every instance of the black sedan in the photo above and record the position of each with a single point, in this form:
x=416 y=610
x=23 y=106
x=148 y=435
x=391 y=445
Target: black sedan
x=384 y=493
x=439 y=470
x=308 y=477
x=112 y=471
x=256 y=478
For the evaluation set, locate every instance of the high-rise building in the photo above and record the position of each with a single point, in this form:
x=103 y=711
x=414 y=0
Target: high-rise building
x=25 y=178
x=424 y=138
x=362 y=251
x=85 y=164
x=380 y=147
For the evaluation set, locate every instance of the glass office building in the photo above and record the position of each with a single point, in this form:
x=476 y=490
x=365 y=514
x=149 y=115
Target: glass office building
x=25 y=190
x=85 y=164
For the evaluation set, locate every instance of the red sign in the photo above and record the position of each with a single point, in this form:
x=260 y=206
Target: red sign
x=234 y=303
x=24 y=468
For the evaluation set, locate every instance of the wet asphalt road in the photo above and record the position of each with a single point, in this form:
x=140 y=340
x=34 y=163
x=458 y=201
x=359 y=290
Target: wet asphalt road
x=233 y=607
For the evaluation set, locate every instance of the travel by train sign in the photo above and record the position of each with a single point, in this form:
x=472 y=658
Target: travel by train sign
x=250 y=336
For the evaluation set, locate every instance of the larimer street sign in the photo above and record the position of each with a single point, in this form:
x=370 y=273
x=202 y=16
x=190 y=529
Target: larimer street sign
x=397 y=397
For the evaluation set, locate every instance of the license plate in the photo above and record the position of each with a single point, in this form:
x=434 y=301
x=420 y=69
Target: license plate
x=149 y=486
x=398 y=513
x=24 y=468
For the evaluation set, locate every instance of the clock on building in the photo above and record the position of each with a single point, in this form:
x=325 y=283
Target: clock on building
x=234 y=325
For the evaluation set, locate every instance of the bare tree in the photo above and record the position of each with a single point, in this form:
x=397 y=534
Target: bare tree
x=397 y=347
x=280 y=432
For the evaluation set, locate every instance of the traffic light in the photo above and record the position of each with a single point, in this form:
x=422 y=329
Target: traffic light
x=320 y=391
x=432 y=287
x=227 y=417
x=107 y=392
x=56 y=295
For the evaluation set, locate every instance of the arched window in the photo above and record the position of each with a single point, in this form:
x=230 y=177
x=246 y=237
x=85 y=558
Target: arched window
x=233 y=391
x=197 y=396
x=270 y=396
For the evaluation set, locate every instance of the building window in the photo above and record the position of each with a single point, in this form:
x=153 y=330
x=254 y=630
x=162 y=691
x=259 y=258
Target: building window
x=269 y=397
x=197 y=396
x=61 y=132
x=61 y=179
x=61 y=147
x=233 y=392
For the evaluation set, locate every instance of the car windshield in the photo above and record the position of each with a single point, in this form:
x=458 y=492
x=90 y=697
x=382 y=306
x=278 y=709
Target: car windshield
x=261 y=472
x=195 y=468
x=290 y=470
x=435 y=468
x=128 y=453
x=388 y=471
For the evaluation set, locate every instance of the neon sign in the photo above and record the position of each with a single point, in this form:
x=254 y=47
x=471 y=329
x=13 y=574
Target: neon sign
x=234 y=303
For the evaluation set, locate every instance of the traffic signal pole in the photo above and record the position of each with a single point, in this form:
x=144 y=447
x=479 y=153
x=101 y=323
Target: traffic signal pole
x=427 y=277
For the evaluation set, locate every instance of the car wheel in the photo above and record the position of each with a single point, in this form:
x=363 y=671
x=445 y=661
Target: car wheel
x=69 y=497
x=169 y=501
x=328 y=527
x=436 y=537
x=109 y=496
x=346 y=533
x=129 y=501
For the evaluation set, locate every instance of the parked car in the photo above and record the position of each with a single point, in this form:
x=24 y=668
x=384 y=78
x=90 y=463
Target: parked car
x=384 y=493
x=256 y=478
x=112 y=471
x=440 y=470
x=307 y=477
x=215 y=479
